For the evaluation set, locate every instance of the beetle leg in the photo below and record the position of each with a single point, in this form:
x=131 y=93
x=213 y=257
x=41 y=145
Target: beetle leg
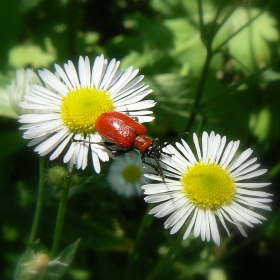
x=156 y=167
x=134 y=118
x=112 y=147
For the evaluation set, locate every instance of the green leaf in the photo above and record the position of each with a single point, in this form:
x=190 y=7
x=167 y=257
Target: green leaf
x=260 y=124
x=264 y=121
x=94 y=234
x=176 y=8
x=188 y=48
x=229 y=114
x=250 y=45
x=23 y=55
x=65 y=257
x=173 y=94
x=270 y=75
x=140 y=60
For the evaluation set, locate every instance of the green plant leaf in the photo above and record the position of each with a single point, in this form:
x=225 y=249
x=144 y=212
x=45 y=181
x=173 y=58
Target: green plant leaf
x=175 y=97
x=23 y=55
x=250 y=45
x=188 y=49
x=65 y=257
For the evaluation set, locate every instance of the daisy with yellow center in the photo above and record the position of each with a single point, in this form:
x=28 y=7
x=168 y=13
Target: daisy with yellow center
x=126 y=175
x=69 y=106
x=212 y=184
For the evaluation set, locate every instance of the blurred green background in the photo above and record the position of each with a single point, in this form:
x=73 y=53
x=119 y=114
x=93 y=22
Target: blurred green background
x=240 y=99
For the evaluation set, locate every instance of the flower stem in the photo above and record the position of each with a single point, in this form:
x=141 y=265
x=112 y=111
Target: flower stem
x=134 y=255
x=207 y=38
x=209 y=55
x=199 y=91
x=59 y=221
x=39 y=203
x=72 y=27
x=162 y=264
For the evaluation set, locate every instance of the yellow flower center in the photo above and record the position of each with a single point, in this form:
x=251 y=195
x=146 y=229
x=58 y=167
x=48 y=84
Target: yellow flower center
x=132 y=173
x=81 y=108
x=208 y=185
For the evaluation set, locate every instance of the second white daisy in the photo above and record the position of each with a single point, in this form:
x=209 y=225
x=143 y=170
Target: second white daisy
x=20 y=86
x=126 y=175
x=69 y=111
x=198 y=188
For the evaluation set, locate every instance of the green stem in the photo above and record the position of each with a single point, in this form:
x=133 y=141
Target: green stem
x=200 y=13
x=73 y=26
x=162 y=264
x=134 y=256
x=39 y=203
x=209 y=55
x=59 y=221
x=200 y=89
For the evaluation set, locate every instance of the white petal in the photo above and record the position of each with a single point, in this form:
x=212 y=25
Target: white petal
x=196 y=143
x=177 y=219
x=239 y=160
x=51 y=142
x=251 y=175
x=61 y=147
x=252 y=185
x=95 y=162
x=190 y=225
x=50 y=79
x=252 y=193
x=221 y=148
x=243 y=166
x=226 y=153
x=231 y=153
x=72 y=74
x=223 y=222
x=98 y=70
x=84 y=71
x=204 y=146
x=110 y=73
x=181 y=222
x=214 y=228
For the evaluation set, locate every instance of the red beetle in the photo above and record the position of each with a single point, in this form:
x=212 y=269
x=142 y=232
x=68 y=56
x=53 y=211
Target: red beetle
x=128 y=134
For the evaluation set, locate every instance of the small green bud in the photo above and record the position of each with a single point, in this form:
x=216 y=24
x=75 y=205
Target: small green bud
x=57 y=175
x=75 y=179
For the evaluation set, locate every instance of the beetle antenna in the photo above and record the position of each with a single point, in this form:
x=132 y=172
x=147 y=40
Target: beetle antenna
x=180 y=136
x=156 y=167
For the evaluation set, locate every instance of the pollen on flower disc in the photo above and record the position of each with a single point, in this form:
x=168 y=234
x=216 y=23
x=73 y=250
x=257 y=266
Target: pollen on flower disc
x=81 y=108
x=132 y=173
x=208 y=185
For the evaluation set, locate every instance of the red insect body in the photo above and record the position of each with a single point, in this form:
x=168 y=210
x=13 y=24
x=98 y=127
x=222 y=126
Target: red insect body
x=142 y=143
x=123 y=131
x=129 y=134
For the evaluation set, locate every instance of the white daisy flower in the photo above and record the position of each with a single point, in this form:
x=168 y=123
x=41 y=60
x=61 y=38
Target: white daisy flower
x=126 y=175
x=20 y=86
x=69 y=111
x=207 y=185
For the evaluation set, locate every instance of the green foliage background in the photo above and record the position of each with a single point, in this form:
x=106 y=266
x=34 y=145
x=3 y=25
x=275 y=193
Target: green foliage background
x=240 y=99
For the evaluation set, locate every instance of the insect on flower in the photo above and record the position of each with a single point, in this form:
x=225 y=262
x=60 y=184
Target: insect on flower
x=127 y=134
